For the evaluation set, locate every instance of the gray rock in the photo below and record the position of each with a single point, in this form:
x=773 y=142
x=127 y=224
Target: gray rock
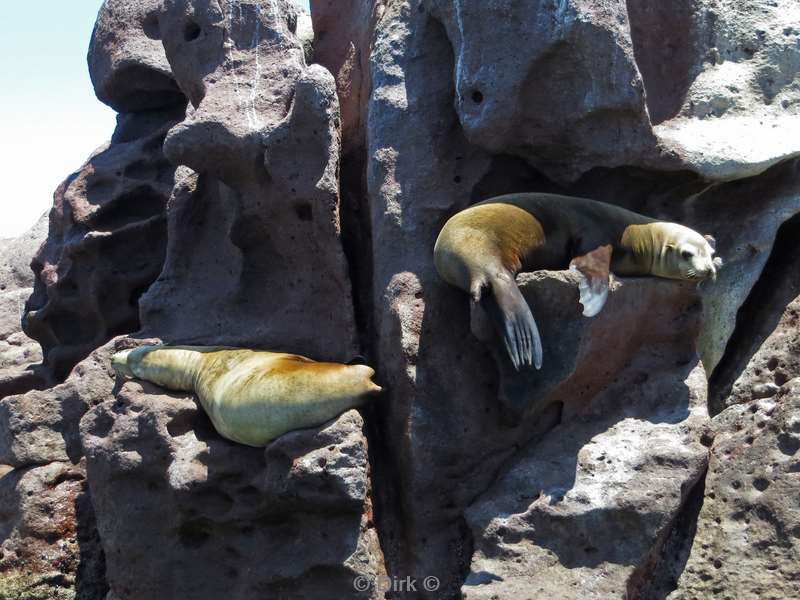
x=49 y=543
x=16 y=255
x=126 y=58
x=740 y=101
x=259 y=217
x=582 y=511
x=568 y=96
x=605 y=84
x=105 y=246
x=18 y=352
x=764 y=353
x=746 y=541
x=210 y=518
x=41 y=426
x=571 y=342
x=342 y=43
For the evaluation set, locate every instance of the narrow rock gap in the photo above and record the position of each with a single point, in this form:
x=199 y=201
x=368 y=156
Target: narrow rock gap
x=660 y=32
x=357 y=242
x=385 y=479
x=759 y=314
x=659 y=577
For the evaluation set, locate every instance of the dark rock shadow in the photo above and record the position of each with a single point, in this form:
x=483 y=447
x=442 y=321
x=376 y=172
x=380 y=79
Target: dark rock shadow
x=643 y=486
x=757 y=319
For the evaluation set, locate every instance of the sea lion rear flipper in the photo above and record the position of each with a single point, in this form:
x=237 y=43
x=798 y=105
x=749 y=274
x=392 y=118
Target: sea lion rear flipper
x=594 y=270
x=514 y=322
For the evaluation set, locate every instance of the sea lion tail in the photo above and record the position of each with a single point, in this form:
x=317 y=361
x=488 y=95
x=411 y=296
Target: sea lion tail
x=514 y=322
x=120 y=363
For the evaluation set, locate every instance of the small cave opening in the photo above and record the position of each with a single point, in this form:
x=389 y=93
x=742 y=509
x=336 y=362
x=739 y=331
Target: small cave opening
x=777 y=286
x=151 y=27
x=191 y=31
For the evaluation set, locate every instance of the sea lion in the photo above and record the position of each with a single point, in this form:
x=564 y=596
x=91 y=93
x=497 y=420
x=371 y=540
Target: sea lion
x=482 y=248
x=251 y=396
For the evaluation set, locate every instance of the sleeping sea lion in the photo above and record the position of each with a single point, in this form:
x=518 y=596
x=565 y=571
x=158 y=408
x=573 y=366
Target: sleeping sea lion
x=251 y=396
x=482 y=248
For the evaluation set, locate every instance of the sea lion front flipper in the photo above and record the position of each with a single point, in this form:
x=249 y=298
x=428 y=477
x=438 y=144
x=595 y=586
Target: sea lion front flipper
x=514 y=322
x=594 y=269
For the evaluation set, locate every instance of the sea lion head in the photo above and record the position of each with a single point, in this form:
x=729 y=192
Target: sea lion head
x=685 y=254
x=360 y=377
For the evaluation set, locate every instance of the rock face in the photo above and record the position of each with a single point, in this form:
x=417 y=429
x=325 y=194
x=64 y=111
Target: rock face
x=293 y=521
x=588 y=506
x=747 y=532
x=260 y=190
x=18 y=353
x=107 y=235
x=638 y=83
x=343 y=37
x=260 y=211
x=50 y=546
x=127 y=64
x=765 y=352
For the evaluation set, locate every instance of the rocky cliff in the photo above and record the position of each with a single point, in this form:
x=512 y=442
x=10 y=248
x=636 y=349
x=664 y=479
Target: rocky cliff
x=260 y=190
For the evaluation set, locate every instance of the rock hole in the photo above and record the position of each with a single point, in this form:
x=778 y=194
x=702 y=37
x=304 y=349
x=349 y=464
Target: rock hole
x=102 y=425
x=772 y=364
x=781 y=379
x=248 y=491
x=304 y=212
x=477 y=97
x=788 y=444
x=181 y=424
x=193 y=534
x=760 y=484
x=134 y=206
x=192 y=31
x=151 y=27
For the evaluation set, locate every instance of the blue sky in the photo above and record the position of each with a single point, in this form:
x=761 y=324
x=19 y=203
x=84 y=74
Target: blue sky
x=50 y=120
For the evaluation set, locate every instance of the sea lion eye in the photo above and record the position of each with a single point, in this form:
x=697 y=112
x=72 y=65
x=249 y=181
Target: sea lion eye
x=686 y=254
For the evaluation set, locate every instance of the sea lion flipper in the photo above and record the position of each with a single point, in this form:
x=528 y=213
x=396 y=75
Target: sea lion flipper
x=514 y=322
x=594 y=270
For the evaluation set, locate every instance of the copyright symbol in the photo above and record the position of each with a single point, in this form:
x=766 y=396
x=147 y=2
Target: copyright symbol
x=431 y=584
x=361 y=583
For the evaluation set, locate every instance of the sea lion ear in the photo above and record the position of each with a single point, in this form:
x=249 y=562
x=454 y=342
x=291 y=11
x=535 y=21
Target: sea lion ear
x=711 y=242
x=594 y=270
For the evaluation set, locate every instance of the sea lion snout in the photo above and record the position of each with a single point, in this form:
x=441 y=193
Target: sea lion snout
x=697 y=264
x=686 y=254
x=363 y=376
